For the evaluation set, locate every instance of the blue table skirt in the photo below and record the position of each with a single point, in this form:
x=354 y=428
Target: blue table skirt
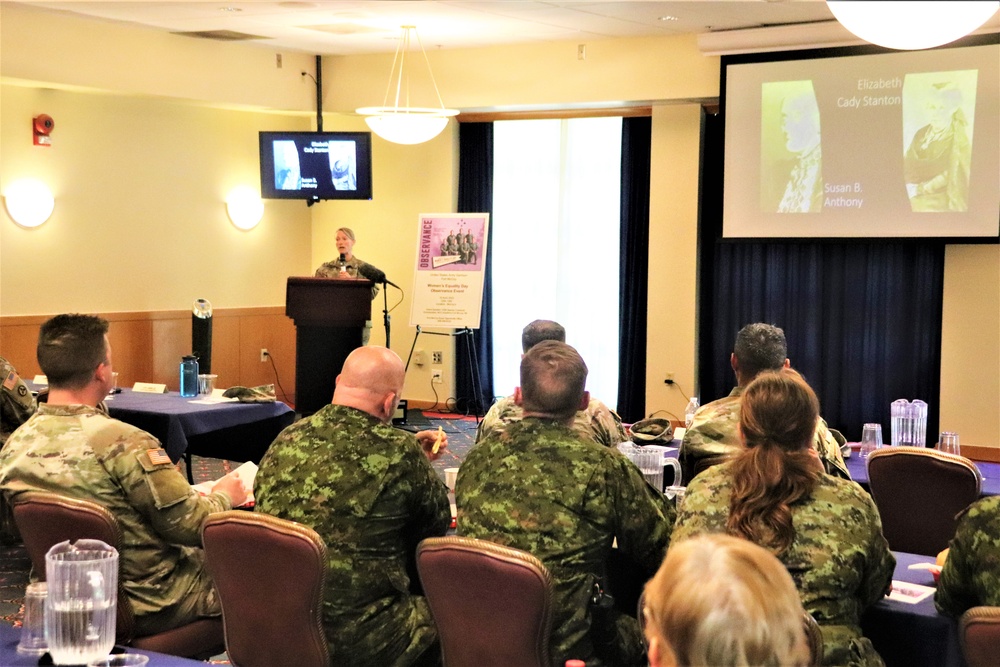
x=9 y=657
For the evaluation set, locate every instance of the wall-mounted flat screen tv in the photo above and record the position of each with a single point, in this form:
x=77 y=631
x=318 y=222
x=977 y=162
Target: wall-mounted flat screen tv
x=316 y=165
x=863 y=142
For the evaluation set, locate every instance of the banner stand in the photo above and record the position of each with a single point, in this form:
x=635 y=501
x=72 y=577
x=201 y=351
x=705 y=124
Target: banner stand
x=473 y=358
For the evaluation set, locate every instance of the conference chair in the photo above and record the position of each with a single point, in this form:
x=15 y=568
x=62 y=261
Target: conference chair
x=270 y=574
x=919 y=492
x=492 y=604
x=45 y=519
x=980 y=636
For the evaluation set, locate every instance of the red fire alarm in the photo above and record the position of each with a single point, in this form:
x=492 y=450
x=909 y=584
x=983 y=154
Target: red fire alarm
x=42 y=126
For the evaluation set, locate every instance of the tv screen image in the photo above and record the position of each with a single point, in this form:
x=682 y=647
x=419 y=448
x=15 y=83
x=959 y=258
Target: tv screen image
x=315 y=165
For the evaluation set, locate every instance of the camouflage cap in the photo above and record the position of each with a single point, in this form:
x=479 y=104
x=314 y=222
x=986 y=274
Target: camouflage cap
x=652 y=430
x=262 y=394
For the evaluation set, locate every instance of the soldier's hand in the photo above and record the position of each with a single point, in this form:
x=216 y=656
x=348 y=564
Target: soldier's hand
x=433 y=443
x=233 y=487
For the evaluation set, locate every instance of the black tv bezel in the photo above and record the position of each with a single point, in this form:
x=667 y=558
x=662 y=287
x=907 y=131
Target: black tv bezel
x=364 y=166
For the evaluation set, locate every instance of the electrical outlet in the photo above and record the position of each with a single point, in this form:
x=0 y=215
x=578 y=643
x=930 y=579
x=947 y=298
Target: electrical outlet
x=419 y=358
x=437 y=357
x=669 y=378
x=263 y=354
x=437 y=376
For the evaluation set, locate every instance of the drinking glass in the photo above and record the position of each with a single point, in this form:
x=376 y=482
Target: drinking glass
x=33 y=629
x=82 y=601
x=871 y=439
x=948 y=443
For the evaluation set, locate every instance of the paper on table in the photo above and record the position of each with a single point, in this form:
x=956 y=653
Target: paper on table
x=213 y=398
x=903 y=591
x=247 y=472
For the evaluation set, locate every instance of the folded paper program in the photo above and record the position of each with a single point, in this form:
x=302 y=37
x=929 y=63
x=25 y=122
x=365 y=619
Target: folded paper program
x=262 y=394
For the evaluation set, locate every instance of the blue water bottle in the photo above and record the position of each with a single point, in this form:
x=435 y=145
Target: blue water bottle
x=189 y=376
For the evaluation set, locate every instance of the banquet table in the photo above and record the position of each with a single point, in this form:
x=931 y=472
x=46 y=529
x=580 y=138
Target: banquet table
x=912 y=635
x=9 y=657
x=195 y=426
x=857 y=466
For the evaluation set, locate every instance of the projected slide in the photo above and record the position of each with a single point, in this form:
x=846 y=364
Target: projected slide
x=309 y=165
x=903 y=144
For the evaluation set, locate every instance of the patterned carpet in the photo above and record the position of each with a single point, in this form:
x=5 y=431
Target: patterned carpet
x=15 y=565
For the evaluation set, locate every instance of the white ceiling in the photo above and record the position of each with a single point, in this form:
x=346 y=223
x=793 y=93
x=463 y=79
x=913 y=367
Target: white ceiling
x=341 y=27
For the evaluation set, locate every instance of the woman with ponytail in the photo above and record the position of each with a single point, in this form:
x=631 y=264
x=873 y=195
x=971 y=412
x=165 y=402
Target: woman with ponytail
x=775 y=493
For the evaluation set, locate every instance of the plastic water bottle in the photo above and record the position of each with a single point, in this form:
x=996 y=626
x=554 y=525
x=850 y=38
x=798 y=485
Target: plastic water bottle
x=189 y=376
x=692 y=407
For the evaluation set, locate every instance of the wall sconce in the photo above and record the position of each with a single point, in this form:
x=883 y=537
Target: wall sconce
x=911 y=25
x=29 y=202
x=245 y=207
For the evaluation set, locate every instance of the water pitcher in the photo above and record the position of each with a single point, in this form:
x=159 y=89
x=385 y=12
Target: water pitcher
x=82 y=602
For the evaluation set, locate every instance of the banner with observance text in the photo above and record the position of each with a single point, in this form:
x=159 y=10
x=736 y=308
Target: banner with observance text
x=449 y=277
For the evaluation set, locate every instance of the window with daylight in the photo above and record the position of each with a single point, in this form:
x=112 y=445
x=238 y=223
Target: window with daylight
x=556 y=231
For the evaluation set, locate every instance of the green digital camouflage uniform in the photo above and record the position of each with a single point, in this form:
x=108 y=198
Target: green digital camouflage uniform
x=597 y=422
x=713 y=435
x=16 y=401
x=369 y=491
x=539 y=487
x=79 y=451
x=839 y=560
x=971 y=574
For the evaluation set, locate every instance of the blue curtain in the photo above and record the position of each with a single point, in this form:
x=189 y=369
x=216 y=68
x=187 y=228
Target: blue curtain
x=863 y=320
x=633 y=268
x=474 y=354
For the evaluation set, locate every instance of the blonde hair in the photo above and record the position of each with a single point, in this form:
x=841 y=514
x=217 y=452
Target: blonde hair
x=348 y=232
x=721 y=601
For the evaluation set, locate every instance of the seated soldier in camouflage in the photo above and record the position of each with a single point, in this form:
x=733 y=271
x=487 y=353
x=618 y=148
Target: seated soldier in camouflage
x=72 y=448
x=712 y=437
x=369 y=491
x=16 y=402
x=595 y=420
x=540 y=487
x=971 y=573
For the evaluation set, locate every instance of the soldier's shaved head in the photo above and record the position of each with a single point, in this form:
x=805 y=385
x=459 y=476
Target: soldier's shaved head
x=371 y=381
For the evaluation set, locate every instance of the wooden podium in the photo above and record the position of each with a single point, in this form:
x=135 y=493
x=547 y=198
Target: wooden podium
x=330 y=315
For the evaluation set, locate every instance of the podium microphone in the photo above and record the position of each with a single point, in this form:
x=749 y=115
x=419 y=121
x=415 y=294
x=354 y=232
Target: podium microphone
x=376 y=275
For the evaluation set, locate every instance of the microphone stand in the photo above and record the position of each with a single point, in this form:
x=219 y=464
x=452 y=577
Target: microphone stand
x=385 y=310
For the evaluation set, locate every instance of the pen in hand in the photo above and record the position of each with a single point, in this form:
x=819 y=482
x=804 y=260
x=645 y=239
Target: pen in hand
x=437 y=443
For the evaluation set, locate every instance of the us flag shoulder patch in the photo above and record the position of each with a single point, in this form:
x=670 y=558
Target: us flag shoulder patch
x=11 y=380
x=157 y=456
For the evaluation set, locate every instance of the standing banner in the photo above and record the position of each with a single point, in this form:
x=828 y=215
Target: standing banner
x=451 y=261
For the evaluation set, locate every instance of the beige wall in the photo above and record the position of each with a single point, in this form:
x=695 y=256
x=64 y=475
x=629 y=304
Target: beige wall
x=970 y=350
x=140 y=174
x=140 y=220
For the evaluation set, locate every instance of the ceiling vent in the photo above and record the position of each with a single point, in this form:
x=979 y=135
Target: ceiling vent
x=221 y=35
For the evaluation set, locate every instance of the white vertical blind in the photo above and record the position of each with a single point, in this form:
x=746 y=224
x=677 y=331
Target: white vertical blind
x=556 y=232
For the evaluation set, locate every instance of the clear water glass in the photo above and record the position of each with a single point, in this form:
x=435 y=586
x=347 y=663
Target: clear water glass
x=948 y=443
x=871 y=439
